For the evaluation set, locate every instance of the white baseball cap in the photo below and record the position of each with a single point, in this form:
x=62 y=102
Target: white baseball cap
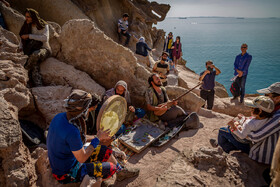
x=261 y=102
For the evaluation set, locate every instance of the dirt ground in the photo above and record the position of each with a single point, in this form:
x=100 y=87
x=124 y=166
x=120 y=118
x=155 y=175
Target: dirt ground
x=190 y=161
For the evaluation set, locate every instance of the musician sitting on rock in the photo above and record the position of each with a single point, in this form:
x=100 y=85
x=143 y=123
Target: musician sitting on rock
x=132 y=112
x=161 y=108
x=69 y=159
x=161 y=67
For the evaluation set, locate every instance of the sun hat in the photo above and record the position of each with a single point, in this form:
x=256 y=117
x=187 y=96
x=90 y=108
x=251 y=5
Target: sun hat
x=274 y=88
x=261 y=102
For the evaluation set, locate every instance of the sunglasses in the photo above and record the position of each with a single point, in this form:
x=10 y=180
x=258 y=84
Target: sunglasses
x=243 y=47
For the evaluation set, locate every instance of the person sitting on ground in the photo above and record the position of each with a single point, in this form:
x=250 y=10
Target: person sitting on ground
x=168 y=44
x=123 y=28
x=263 y=149
x=155 y=96
x=161 y=67
x=34 y=36
x=142 y=49
x=207 y=91
x=235 y=137
x=69 y=159
x=177 y=50
x=132 y=113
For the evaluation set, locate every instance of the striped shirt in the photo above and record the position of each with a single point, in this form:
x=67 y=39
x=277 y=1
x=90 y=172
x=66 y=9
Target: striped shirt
x=265 y=139
x=123 y=25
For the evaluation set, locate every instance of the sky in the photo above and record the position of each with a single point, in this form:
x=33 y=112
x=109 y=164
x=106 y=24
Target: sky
x=223 y=8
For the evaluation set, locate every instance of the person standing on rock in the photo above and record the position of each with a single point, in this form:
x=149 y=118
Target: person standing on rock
x=207 y=91
x=123 y=28
x=69 y=160
x=156 y=97
x=177 y=50
x=34 y=36
x=241 y=66
x=168 y=44
x=161 y=67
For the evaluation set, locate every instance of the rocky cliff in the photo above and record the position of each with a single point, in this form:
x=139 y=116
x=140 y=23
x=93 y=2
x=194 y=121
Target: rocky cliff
x=86 y=55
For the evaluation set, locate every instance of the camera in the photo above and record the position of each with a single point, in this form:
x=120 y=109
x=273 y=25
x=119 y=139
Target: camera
x=210 y=69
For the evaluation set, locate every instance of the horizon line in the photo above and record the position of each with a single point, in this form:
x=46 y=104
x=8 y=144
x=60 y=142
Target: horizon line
x=221 y=17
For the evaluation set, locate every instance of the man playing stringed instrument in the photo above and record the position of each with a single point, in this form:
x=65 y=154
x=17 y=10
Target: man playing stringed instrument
x=160 y=107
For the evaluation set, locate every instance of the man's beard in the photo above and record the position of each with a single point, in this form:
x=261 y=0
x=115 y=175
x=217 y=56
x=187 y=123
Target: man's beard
x=158 y=85
x=120 y=94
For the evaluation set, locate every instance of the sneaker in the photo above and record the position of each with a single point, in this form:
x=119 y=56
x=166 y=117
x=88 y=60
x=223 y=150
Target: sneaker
x=214 y=143
x=127 y=173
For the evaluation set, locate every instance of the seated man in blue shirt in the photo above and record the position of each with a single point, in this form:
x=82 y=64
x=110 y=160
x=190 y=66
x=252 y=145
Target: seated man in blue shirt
x=69 y=160
x=207 y=89
x=241 y=66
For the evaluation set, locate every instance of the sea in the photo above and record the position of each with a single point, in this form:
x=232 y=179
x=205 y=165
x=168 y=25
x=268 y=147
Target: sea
x=219 y=40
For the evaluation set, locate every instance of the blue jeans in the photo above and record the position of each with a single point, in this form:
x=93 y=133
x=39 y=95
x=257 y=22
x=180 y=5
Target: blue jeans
x=241 y=81
x=229 y=143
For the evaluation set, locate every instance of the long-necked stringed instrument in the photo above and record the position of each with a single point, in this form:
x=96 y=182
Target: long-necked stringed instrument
x=170 y=103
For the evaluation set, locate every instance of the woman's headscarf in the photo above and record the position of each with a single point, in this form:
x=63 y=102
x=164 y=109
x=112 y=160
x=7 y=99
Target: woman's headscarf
x=77 y=106
x=142 y=39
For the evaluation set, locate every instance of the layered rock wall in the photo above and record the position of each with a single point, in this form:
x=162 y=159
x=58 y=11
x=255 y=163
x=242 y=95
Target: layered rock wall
x=17 y=168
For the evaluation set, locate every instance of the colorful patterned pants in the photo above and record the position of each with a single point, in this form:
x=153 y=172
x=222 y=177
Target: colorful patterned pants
x=96 y=166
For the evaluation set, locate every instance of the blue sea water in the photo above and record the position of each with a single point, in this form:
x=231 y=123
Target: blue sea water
x=219 y=40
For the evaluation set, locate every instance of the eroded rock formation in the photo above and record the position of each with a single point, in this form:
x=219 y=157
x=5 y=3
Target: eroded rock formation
x=55 y=72
x=16 y=166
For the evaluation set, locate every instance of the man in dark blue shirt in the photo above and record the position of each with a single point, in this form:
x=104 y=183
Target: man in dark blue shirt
x=207 y=89
x=241 y=66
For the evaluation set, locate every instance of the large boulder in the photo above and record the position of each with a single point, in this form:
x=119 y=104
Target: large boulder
x=55 y=72
x=231 y=107
x=189 y=102
x=57 y=11
x=107 y=62
x=142 y=17
x=8 y=47
x=13 y=79
x=50 y=99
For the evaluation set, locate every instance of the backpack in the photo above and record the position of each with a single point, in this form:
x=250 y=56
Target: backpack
x=235 y=89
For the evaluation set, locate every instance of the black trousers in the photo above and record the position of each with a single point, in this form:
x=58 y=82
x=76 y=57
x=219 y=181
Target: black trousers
x=126 y=34
x=209 y=97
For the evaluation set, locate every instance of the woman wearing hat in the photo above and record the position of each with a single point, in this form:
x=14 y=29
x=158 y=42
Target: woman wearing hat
x=235 y=136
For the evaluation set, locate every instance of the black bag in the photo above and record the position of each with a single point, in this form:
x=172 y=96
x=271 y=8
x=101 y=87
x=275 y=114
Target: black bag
x=31 y=46
x=235 y=89
x=32 y=134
